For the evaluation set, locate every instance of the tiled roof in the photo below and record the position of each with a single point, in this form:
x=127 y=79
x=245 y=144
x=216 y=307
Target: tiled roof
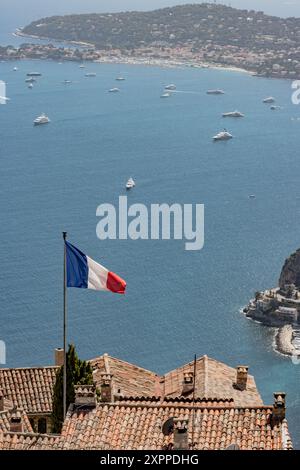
x=213 y=379
x=134 y=425
x=5 y=417
x=29 y=388
x=130 y=379
x=25 y=441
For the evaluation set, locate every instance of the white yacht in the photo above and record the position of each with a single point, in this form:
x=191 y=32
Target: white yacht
x=215 y=92
x=67 y=82
x=270 y=99
x=170 y=87
x=114 y=90
x=120 y=79
x=165 y=95
x=130 y=184
x=223 y=135
x=90 y=74
x=235 y=114
x=42 y=119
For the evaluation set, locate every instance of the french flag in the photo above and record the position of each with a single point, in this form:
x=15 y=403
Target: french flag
x=85 y=273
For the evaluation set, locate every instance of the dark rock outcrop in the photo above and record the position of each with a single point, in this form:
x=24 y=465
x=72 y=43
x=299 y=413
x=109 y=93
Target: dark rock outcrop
x=290 y=273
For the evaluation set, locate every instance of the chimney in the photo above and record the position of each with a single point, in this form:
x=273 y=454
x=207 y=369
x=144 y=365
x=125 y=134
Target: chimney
x=16 y=424
x=241 y=378
x=181 y=441
x=59 y=356
x=278 y=412
x=85 y=396
x=106 y=387
x=1 y=400
x=188 y=383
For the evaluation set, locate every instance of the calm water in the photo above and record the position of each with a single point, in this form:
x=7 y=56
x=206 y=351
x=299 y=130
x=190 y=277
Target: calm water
x=178 y=303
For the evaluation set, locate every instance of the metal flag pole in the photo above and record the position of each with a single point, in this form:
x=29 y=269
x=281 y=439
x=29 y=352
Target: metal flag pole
x=65 y=330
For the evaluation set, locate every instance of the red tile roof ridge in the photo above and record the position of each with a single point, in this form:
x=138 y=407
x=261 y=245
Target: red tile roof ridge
x=111 y=358
x=183 y=405
x=30 y=434
x=29 y=368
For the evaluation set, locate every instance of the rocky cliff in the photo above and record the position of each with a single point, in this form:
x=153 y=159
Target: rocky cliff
x=290 y=273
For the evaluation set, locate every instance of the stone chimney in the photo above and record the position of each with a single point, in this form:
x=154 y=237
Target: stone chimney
x=278 y=412
x=241 y=378
x=106 y=388
x=1 y=400
x=16 y=424
x=59 y=357
x=188 y=383
x=85 y=396
x=181 y=441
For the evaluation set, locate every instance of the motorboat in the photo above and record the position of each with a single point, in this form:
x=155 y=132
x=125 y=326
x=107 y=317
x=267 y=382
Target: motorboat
x=90 y=74
x=234 y=114
x=268 y=100
x=215 y=92
x=165 y=95
x=30 y=80
x=120 y=79
x=82 y=66
x=67 y=82
x=170 y=87
x=274 y=108
x=223 y=135
x=130 y=184
x=42 y=119
x=114 y=90
x=15 y=69
x=30 y=86
x=34 y=74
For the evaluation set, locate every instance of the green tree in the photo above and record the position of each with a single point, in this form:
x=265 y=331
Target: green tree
x=78 y=373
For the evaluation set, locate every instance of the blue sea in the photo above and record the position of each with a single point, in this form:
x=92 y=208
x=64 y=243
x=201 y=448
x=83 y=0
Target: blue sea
x=178 y=303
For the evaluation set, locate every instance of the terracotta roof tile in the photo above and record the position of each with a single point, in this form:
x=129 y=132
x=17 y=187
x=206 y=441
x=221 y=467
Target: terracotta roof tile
x=22 y=441
x=133 y=425
x=5 y=417
x=30 y=389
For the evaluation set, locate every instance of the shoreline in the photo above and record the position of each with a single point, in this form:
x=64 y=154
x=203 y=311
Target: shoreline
x=142 y=60
x=19 y=33
x=283 y=336
x=283 y=341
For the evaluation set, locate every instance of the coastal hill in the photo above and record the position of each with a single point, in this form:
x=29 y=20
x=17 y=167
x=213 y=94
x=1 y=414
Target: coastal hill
x=290 y=273
x=267 y=45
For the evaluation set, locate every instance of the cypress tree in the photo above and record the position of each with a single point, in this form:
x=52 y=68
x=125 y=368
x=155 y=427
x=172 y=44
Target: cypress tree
x=78 y=373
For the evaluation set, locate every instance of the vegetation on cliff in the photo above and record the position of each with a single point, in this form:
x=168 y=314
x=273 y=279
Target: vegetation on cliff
x=290 y=273
x=178 y=25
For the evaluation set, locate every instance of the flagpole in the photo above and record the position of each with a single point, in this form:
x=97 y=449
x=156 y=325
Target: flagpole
x=65 y=330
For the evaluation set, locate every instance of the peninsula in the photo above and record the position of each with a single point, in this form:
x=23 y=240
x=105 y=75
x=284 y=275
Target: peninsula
x=207 y=34
x=280 y=306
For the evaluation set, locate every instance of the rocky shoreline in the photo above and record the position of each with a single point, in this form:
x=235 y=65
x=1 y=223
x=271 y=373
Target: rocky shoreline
x=284 y=341
x=280 y=307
